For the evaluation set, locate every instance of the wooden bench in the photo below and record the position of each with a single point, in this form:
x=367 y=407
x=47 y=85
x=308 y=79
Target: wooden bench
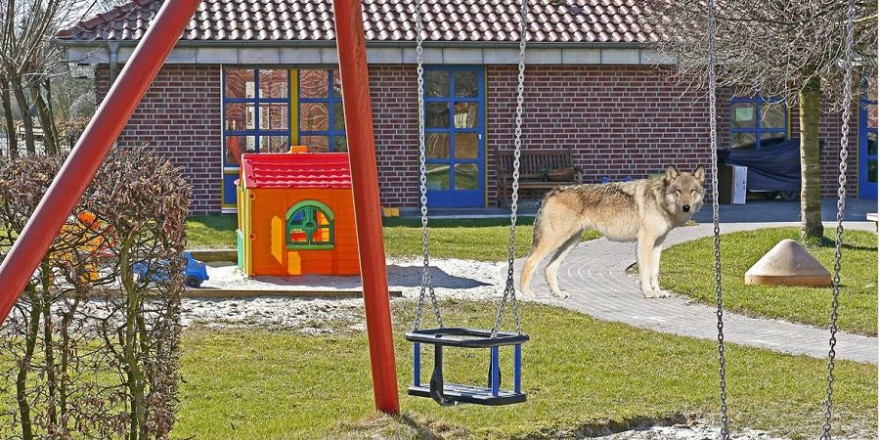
x=533 y=168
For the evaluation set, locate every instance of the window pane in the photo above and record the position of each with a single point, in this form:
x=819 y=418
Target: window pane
x=467 y=145
x=273 y=117
x=339 y=144
x=438 y=176
x=236 y=145
x=466 y=176
x=465 y=114
x=297 y=218
x=743 y=140
x=240 y=117
x=436 y=83
x=314 y=116
x=273 y=83
x=466 y=84
x=314 y=84
x=239 y=83
x=297 y=236
x=437 y=114
x=769 y=139
x=437 y=145
x=317 y=144
x=872 y=170
x=338 y=117
x=337 y=84
x=773 y=115
x=743 y=114
x=273 y=144
x=872 y=144
x=872 y=116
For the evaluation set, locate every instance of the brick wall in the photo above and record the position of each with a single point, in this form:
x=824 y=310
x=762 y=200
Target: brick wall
x=180 y=118
x=619 y=121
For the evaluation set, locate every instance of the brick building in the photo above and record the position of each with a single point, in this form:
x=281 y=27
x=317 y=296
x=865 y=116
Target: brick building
x=260 y=75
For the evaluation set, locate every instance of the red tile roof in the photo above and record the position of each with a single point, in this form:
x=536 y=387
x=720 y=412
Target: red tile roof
x=306 y=170
x=474 y=21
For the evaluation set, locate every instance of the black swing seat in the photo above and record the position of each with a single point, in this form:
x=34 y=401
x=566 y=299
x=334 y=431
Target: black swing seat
x=452 y=394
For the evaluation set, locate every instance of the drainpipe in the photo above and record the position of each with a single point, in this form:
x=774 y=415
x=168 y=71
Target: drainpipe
x=113 y=48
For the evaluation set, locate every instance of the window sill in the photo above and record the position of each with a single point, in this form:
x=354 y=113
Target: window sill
x=309 y=247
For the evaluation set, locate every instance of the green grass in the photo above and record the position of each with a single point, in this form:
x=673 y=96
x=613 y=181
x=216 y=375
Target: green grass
x=580 y=374
x=211 y=231
x=689 y=268
x=470 y=239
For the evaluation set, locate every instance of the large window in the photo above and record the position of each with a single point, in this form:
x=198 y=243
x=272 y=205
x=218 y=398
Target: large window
x=757 y=121
x=321 y=121
x=256 y=106
x=309 y=226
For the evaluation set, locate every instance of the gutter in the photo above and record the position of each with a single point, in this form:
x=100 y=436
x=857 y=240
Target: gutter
x=113 y=48
x=332 y=44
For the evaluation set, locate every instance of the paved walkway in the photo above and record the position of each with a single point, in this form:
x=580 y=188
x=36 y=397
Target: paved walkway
x=595 y=275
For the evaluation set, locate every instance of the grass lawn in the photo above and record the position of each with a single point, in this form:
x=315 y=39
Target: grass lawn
x=689 y=268
x=472 y=239
x=580 y=374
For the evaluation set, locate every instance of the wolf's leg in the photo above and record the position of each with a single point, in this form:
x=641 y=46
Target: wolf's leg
x=645 y=254
x=550 y=270
x=655 y=269
x=547 y=243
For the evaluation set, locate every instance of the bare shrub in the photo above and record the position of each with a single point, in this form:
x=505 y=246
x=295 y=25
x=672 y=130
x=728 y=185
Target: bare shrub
x=90 y=350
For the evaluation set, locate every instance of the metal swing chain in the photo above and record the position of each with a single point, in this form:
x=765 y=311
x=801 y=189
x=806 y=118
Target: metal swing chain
x=509 y=290
x=841 y=205
x=427 y=286
x=713 y=145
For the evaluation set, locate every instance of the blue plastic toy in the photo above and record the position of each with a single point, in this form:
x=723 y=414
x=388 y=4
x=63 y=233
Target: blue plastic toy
x=195 y=271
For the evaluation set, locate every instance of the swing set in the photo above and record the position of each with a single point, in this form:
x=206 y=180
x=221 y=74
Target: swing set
x=142 y=68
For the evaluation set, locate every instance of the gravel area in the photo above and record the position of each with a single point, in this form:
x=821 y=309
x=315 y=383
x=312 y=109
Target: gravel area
x=451 y=279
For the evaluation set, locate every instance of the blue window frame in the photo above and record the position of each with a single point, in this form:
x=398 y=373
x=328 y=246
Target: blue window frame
x=256 y=112
x=454 y=128
x=757 y=121
x=320 y=118
x=868 y=149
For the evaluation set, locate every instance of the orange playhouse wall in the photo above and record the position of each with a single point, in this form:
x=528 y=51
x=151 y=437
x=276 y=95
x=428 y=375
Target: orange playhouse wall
x=269 y=253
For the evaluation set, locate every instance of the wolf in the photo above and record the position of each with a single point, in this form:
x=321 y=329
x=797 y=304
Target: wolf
x=643 y=211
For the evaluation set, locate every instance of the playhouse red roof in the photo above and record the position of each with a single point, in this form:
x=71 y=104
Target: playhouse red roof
x=306 y=170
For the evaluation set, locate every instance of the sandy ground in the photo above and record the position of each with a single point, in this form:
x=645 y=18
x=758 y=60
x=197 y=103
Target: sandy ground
x=451 y=279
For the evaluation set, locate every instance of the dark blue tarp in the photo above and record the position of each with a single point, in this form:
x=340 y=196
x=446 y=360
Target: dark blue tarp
x=772 y=168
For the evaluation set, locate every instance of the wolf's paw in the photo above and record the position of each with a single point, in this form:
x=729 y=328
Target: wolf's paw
x=561 y=294
x=662 y=293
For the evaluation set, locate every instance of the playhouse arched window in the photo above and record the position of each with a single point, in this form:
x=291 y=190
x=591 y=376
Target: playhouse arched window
x=309 y=225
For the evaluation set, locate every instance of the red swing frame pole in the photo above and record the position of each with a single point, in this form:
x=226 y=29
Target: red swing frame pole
x=352 y=52
x=91 y=149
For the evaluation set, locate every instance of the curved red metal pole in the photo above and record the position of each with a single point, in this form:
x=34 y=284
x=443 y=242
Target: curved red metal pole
x=93 y=146
x=365 y=185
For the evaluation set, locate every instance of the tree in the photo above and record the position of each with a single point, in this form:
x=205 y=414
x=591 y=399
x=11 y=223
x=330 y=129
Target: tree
x=29 y=62
x=793 y=49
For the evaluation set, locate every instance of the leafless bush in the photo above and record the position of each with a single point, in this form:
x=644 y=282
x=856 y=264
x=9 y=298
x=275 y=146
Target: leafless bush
x=90 y=350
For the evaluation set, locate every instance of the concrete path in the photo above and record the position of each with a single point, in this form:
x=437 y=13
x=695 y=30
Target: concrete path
x=595 y=276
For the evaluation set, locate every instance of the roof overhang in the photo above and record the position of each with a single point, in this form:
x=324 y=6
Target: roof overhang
x=324 y=52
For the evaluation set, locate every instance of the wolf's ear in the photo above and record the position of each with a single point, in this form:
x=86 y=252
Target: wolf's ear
x=700 y=174
x=671 y=172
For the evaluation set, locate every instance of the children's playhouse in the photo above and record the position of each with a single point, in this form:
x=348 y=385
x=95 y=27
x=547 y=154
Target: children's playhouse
x=296 y=215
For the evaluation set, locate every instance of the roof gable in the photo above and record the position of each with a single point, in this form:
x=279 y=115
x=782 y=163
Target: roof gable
x=291 y=170
x=451 y=21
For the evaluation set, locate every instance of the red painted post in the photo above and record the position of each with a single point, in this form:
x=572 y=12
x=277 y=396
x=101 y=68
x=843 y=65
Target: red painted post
x=93 y=146
x=365 y=185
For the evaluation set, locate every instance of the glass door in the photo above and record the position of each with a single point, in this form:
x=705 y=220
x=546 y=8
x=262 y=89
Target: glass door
x=454 y=136
x=868 y=149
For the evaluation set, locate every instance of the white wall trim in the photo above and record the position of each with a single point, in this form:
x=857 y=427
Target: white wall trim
x=387 y=55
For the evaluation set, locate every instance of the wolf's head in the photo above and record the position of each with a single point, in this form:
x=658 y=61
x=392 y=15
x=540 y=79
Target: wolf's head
x=683 y=192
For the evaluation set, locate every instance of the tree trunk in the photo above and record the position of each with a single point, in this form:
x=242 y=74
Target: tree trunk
x=11 y=135
x=45 y=118
x=811 y=206
x=26 y=118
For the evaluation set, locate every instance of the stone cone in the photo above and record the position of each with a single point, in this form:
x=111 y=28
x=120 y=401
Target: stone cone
x=788 y=264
